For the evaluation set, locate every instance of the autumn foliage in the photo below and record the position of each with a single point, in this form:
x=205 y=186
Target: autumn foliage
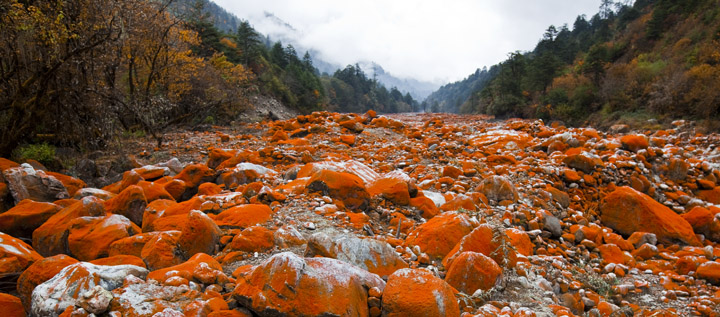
x=83 y=70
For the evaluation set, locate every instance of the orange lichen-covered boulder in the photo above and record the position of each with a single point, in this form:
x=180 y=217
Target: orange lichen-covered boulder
x=200 y=234
x=25 y=217
x=51 y=238
x=520 y=240
x=626 y=210
x=287 y=284
x=121 y=259
x=584 y=161
x=634 y=142
x=11 y=306
x=710 y=271
x=439 y=235
x=498 y=188
x=348 y=188
x=244 y=216
x=193 y=175
x=162 y=250
x=369 y=254
x=131 y=245
x=71 y=284
x=472 y=271
x=72 y=184
x=154 y=191
x=38 y=273
x=200 y=267
x=15 y=255
x=253 y=239
x=131 y=203
x=488 y=241
x=702 y=221
x=417 y=292
x=395 y=186
x=89 y=238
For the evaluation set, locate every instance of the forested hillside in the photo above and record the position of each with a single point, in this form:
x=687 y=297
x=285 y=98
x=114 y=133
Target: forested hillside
x=79 y=73
x=651 y=59
x=350 y=90
x=451 y=97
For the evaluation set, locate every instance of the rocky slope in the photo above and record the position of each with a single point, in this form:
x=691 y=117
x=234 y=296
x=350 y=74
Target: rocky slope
x=356 y=215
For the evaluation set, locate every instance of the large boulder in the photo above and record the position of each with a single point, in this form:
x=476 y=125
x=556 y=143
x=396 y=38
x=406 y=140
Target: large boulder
x=626 y=210
x=472 y=271
x=368 y=254
x=346 y=187
x=439 y=235
x=90 y=238
x=244 y=216
x=25 y=182
x=498 y=188
x=38 y=273
x=417 y=292
x=25 y=217
x=15 y=257
x=289 y=285
x=51 y=238
x=199 y=234
x=487 y=240
x=67 y=288
x=131 y=203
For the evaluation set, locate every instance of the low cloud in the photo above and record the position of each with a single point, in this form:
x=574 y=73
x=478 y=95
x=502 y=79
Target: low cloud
x=438 y=41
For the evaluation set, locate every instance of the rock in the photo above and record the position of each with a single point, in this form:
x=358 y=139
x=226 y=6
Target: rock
x=121 y=259
x=626 y=211
x=701 y=219
x=395 y=187
x=472 y=271
x=25 y=217
x=711 y=195
x=90 y=238
x=15 y=257
x=584 y=161
x=200 y=268
x=39 y=272
x=199 y=234
x=368 y=254
x=677 y=170
x=488 y=241
x=287 y=284
x=287 y=236
x=99 y=193
x=634 y=142
x=244 y=173
x=162 y=250
x=417 y=292
x=552 y=224
x=131 y=203
x=520 y=240
x=67 y=287
x=142 y=299
x=439 y=235
x=72 y=184
x=95 y=301
x=193 y=175
x=11 y=306
x=25 y=182
x=498 y=188
x=243 y=216
x=710 y=271
x=253 y=239
x=348 y=188
x=154 y=191
x=131 y=245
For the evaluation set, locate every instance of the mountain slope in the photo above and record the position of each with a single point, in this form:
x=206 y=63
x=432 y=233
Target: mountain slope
x=652 y=59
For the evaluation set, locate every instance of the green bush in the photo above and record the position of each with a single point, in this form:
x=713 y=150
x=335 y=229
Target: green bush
x=43 y=153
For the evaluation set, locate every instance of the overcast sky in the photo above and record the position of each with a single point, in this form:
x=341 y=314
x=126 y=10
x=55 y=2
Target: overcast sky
x=438 y=41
